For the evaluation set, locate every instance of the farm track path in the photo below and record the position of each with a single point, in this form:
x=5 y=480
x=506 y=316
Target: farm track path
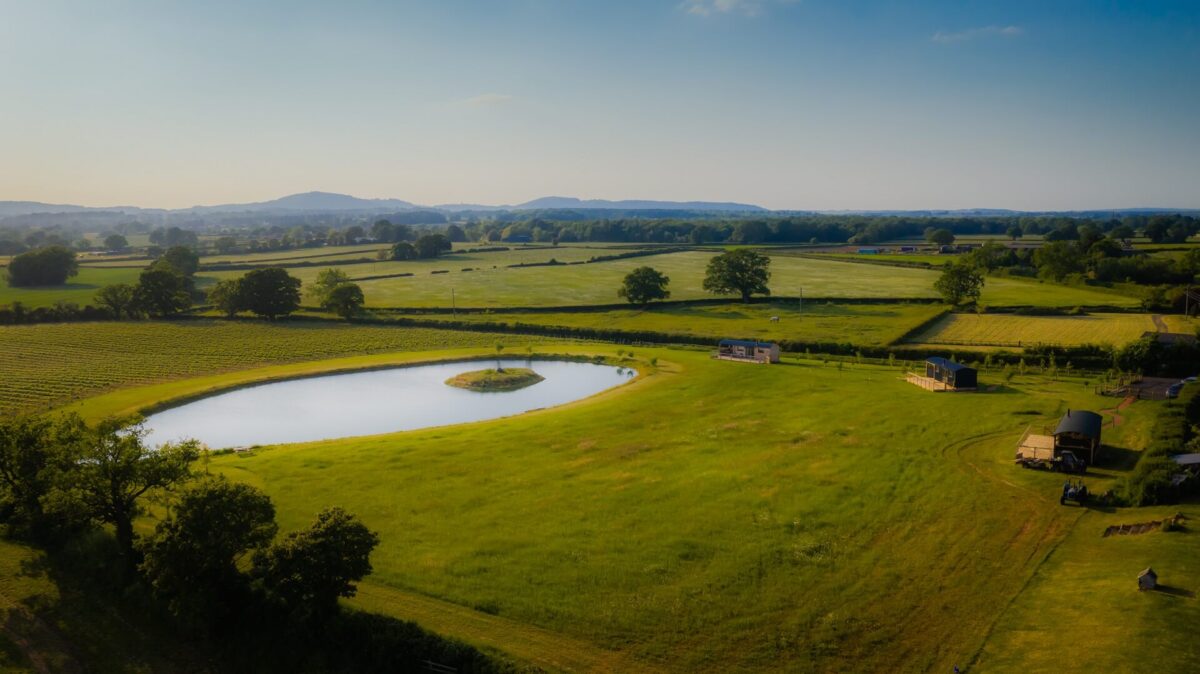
x=541 y=647
x=1115 y=412
x=1159 y=324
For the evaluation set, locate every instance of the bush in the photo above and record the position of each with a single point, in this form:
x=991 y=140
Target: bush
x=49 y=266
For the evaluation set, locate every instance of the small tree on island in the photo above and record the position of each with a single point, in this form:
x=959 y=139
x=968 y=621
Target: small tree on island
x=644 y=285
x=959 y=283
x=741 y=271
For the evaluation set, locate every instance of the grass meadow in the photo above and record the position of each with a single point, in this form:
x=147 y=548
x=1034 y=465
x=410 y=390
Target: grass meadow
x=710 y=516
x=1009 y=330
x=867 y=324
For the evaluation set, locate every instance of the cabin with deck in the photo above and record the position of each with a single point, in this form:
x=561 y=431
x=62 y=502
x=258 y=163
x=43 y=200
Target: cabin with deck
x=1079 y=432
x=750 y=351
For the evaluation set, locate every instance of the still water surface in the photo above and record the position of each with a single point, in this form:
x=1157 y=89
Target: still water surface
x=366 y=403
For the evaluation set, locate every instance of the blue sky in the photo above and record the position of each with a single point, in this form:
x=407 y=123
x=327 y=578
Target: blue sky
x=821 y=104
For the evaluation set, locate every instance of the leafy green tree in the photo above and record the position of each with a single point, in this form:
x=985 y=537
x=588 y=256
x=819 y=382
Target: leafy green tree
x=404 y=251
x=270 y=292
x=1058 y=259
x=180 y=258
x=49 y=266
x=119 y=298
x=115 y=242
x=939 y=236
x=327 y=280
x=959 y=283
x=309 y=570
x=1014 y=232
x=226 y=244
x=644 y=285
x=345 y=300
x=192 y=558
x=1122 y=232
x=432 y=245
x=226 y=296
x=113 y=471
x=455 y=234
x=33 y=450
x=743 y=271
x=162 y=292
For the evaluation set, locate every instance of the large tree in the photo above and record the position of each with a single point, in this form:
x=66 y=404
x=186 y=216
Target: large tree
x=114 y=470
x=327 y=280
x=180 y=258
x=309 y=570
x=192 y=558
x=115 y=242
x=960 y=282
x=49 y=266
x=270 y=292
x=644 y=285
x=345 y=300
x=162 y=292
x=939 y=236
x=432 y=245
x=743 y=271
x=1058 y=259
x=33 y=451
x=226 y=296
x=119 y=298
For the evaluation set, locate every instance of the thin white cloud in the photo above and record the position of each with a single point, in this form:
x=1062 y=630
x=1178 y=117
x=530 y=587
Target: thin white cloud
x=744 y=7
x=487 y=100
x=978 y=33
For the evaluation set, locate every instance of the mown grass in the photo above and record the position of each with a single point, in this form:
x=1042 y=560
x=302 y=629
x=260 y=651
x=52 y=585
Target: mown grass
x=1008 y=330
x=712 y=516
x=867 y=324
x=50 y=364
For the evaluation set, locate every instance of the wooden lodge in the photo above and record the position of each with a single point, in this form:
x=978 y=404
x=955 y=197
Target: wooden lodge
x=1079 y=432
x=748 y=351
x=945 y=375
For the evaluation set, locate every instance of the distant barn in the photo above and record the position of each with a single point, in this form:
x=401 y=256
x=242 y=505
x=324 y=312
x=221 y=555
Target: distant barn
x=1079 y=432
x=747 y=350
x=955 y=376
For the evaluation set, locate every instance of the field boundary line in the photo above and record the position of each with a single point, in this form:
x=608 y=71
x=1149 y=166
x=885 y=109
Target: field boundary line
x=530 y=643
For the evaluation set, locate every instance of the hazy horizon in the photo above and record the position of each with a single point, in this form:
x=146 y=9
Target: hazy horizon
x=789 y=105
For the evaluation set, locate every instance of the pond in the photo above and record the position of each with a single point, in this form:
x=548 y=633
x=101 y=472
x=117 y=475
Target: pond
x=371 y=402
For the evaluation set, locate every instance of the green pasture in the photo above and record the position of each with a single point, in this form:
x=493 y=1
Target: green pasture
x=79 y=289
x=1010 y=330
x=867 y=324
x=710 y=516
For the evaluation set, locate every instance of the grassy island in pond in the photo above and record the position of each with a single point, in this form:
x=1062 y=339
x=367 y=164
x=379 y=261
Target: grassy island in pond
x=510 y=379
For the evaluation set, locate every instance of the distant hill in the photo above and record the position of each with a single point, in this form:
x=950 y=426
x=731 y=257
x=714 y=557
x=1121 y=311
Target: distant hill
x=634 y=205
x=313 y=201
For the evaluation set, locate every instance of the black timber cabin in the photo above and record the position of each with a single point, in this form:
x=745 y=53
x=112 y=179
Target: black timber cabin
x=1079 y=432
x=954 y=375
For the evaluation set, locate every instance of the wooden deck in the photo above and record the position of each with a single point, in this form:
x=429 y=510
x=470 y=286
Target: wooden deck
x=927 y=383
x=1036 y=446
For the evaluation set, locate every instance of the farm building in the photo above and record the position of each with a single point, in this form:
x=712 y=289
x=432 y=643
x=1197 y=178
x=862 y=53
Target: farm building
x=954 y=375
x=1147 y=579
x=752 y=351
x=1079 y=432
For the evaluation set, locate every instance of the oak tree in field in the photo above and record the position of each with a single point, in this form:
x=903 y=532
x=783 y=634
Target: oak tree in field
x=192 y=558
x=403 y=251
x=115 y=242
x=114 y=470
x=432 y=245
x=743 y=271
x=119 y=298
x=310 y=569
x=162 y=292
x=327 y=280
x=644 y=285
x=33 y=453
x=940 y=236
x=226 y=296
x=180 y=258
x=960 y=282
x=346 y=300
x=49 y=266
x=270 y=292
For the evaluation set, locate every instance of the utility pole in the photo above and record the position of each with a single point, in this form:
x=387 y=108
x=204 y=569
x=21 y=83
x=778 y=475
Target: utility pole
x=453 y=306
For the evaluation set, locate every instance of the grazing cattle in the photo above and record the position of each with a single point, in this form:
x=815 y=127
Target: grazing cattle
x=774 y=319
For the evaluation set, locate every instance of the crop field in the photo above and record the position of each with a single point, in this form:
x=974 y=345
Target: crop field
x=56 y=363
x=875 y=324
x=1015 y=331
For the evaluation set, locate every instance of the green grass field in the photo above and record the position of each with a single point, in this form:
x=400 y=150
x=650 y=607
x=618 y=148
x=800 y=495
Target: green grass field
x=56 y=363
x=711 y=516
x=1009 y=330
x=79 y=289
x=873 y=324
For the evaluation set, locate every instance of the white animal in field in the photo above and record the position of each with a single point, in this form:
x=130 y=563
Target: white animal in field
x=774 y=319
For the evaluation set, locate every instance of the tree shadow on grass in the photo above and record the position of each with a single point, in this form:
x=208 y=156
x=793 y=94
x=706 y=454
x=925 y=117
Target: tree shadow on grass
x=1117 y=458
